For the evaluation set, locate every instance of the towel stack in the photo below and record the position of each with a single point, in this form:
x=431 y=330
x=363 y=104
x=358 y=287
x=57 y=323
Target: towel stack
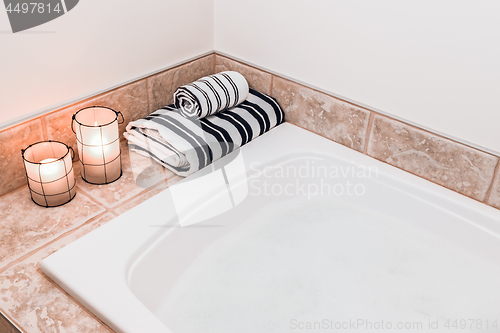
x=209 y=119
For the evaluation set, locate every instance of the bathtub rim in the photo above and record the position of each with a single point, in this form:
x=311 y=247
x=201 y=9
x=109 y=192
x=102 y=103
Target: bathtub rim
x=109 y=298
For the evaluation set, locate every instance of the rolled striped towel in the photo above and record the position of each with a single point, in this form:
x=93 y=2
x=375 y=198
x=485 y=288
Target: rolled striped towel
x=211 y=94
x=185 y=146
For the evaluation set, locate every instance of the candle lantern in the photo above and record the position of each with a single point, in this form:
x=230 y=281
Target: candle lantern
x=98 y=140
x=49 y=169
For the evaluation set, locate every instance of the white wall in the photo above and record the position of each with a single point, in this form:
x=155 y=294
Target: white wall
x=435 y=63
x=97 y=45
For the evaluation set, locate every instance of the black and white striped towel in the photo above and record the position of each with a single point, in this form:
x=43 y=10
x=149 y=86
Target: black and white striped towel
x=187 y=145
x=211 y=94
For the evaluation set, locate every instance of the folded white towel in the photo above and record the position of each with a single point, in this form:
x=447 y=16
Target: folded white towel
x=187 y=145
x=211 y=94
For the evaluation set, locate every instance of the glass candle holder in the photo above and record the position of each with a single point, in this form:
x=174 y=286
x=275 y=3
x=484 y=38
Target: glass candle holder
x=96 y=129
x=49 y=169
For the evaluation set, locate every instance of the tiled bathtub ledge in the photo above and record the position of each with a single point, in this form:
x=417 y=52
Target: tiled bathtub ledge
x=29 y=233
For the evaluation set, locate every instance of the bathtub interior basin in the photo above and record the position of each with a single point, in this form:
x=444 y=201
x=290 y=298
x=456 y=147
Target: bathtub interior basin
x=292 y=231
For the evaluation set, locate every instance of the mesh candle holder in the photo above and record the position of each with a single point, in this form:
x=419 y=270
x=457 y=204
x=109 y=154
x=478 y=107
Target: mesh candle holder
x=98 y=139
x=49 y=169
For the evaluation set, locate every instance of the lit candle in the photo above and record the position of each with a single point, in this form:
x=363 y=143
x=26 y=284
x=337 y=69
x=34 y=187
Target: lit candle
x=50 y=179
x=96 y=129
x=51 y=169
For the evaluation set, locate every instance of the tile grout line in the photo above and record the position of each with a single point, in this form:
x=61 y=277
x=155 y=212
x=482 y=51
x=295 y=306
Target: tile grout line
x=215 y=63
x=44 y=128
x=493 y=179
x=272 y=83
x=325 y=137
x=436 y=134
x=300 y=84
x=147 y=94
x=138 y=195
x=444 y=138
x=74 y=300
x=414 y=174
x=124 y=202
x=41 y=247
x=88 y=196
x=368 y=132
x=16 y=189
x=483 y=202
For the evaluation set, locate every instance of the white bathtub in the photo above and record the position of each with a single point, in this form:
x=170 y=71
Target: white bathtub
x=266 y=250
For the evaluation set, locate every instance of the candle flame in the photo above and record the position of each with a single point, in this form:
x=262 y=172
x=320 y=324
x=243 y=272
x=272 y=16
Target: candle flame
x=50 y=170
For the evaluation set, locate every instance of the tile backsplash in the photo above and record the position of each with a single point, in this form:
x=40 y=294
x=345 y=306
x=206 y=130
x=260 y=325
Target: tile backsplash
x=322 y=114
x=257 y=79
x=449 y=163
x=460 y=168
x=12 y=140
x=454 y=165
x=135 y=100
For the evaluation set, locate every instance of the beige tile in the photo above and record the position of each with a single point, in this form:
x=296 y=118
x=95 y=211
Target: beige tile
x=494 y=198
x=58 y=126
x=37 y=304
x=453 y=165
x=161 y=90
x=145 y=174
x=193 y=71
x=322 y=114
x=161 y=87
x=12 y=140
x=257 y=79
x=24 y=226
x=145 y=196
x=131 y=100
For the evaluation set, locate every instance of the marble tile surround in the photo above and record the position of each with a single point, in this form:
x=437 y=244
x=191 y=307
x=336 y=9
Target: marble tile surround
x=161 y=87
x=36 y=304
x=131 y=100
x=24 y=225
x=12 y=140
x=318 y=112
x=322 y=114
x=257 y=79
x=135 y=100
x=129 y=184
x=494 y=196
x=29 y=233
x=457 y=167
